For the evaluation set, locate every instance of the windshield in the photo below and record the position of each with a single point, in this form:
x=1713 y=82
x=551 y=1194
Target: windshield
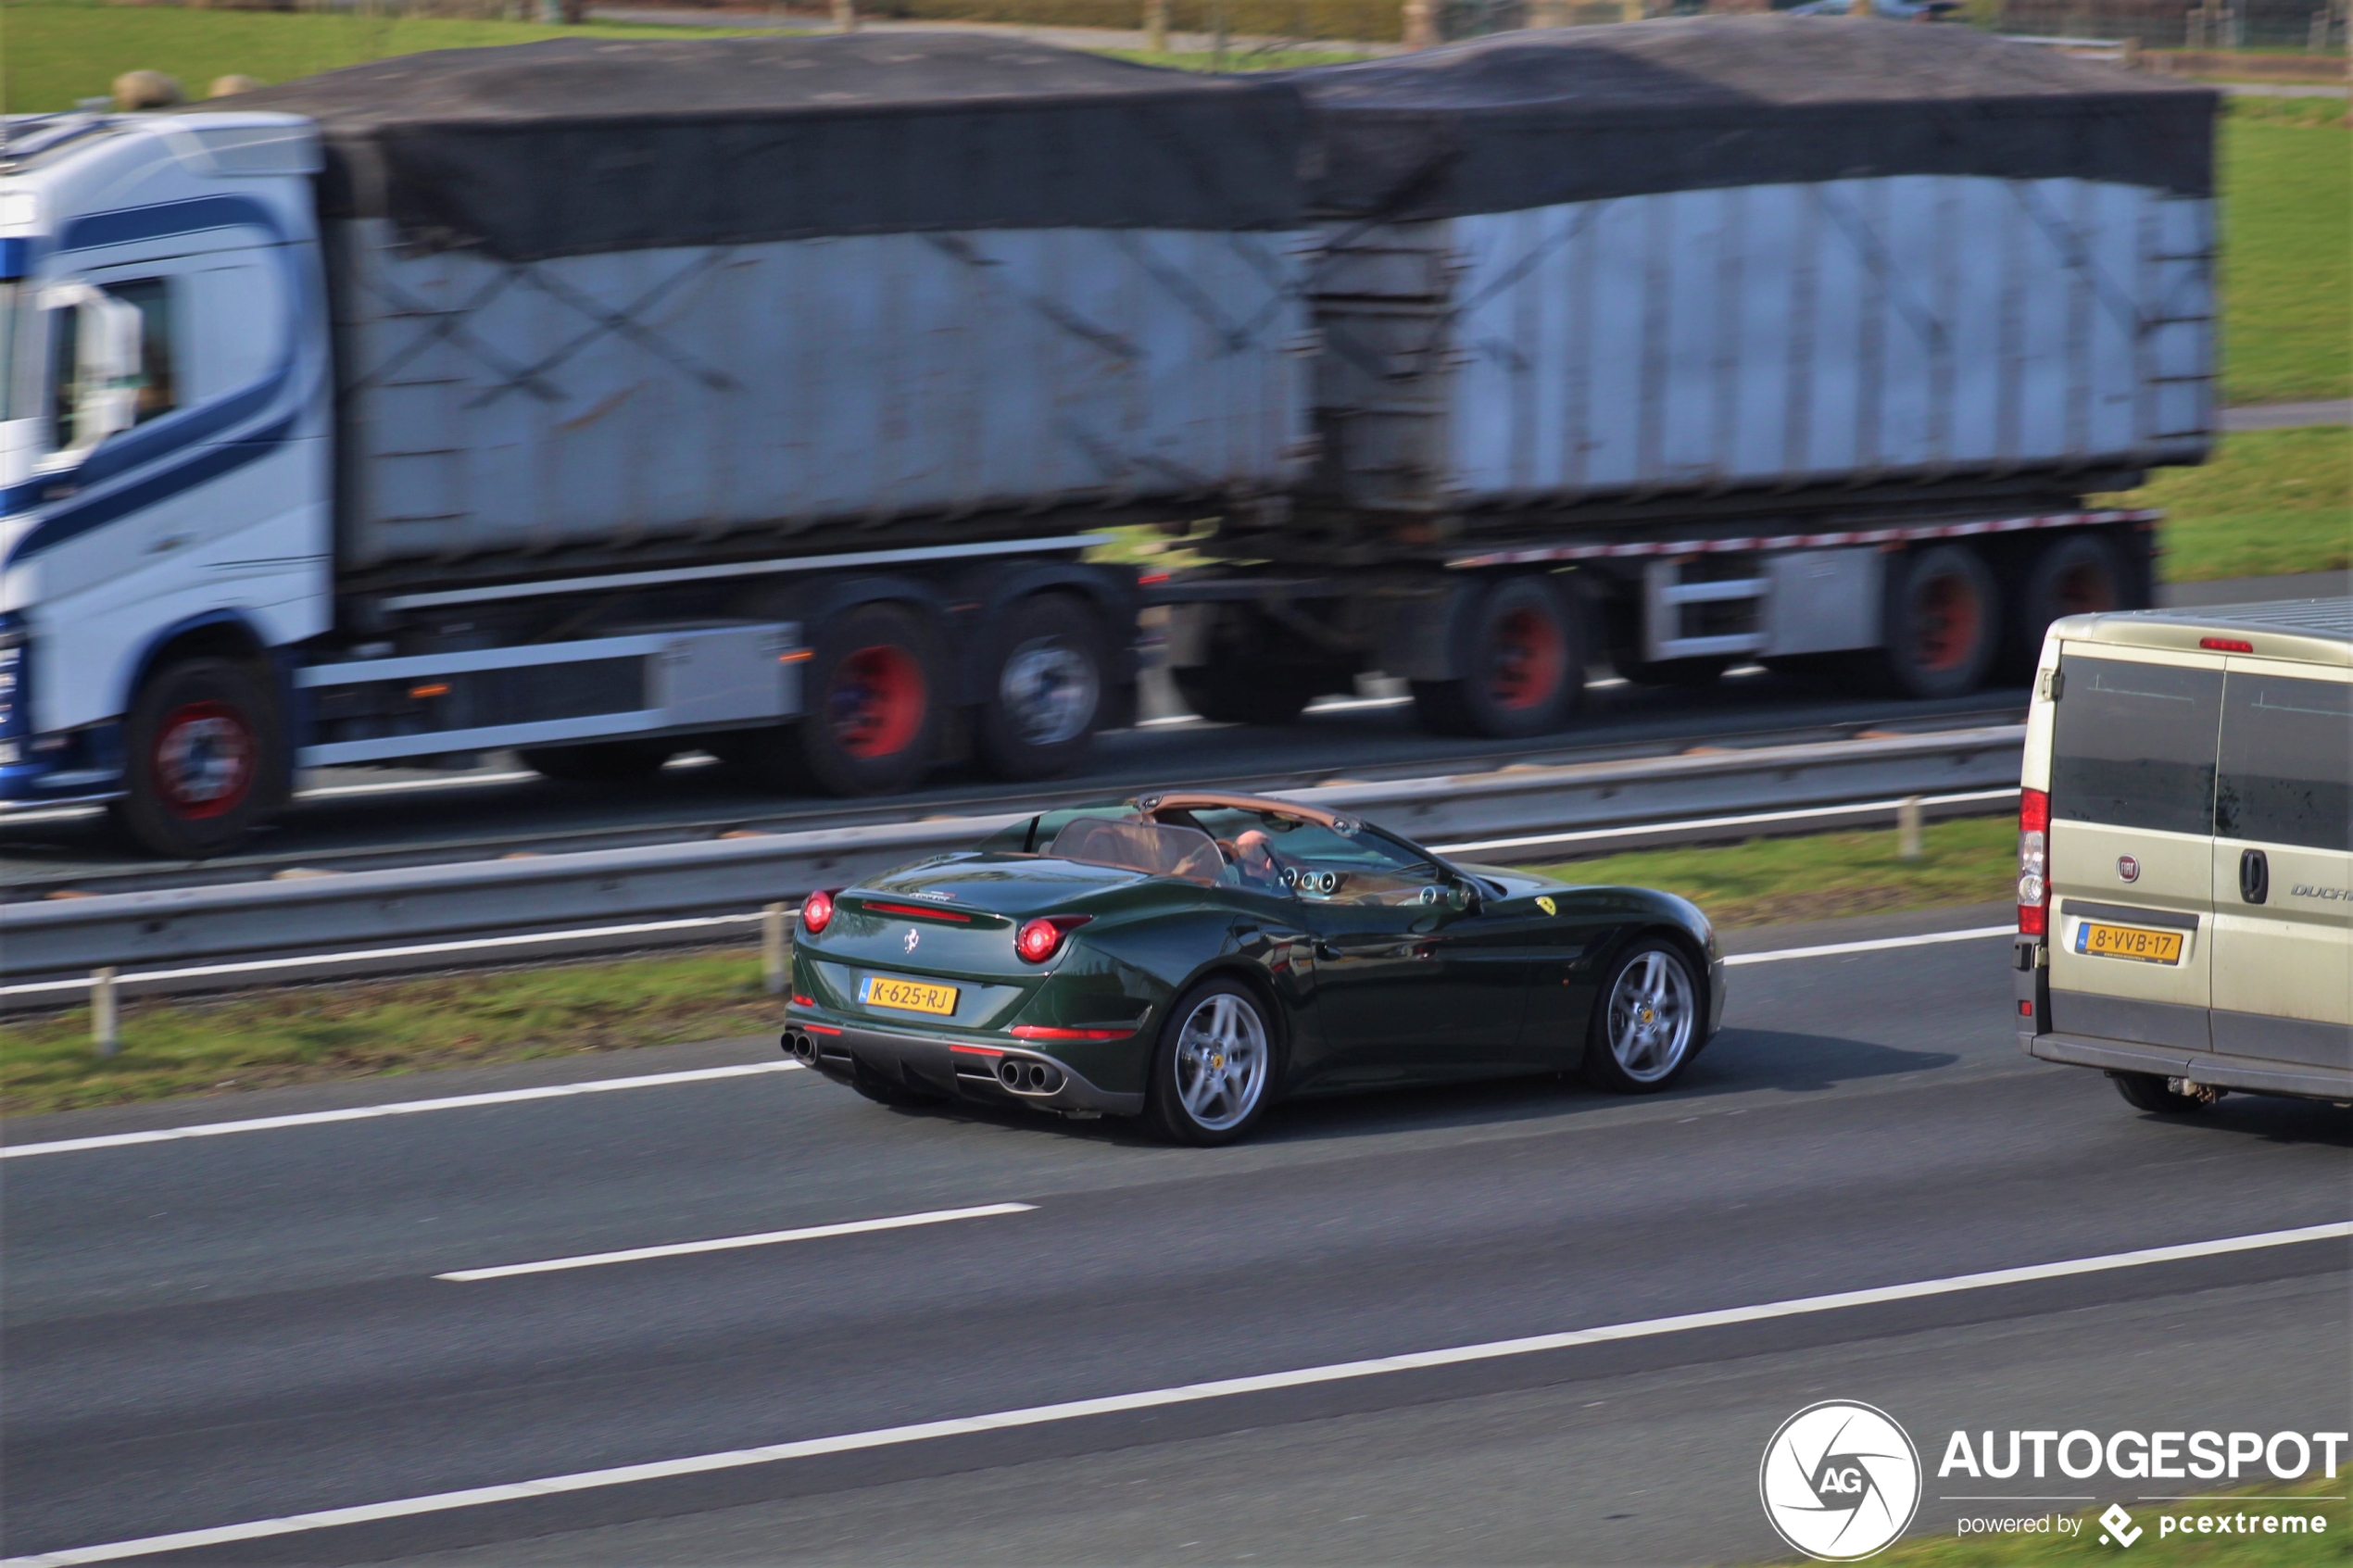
x=1272 y=852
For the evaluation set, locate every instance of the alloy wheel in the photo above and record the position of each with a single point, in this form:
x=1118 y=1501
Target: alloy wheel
x=1220 y=1061
x=1651 y=1017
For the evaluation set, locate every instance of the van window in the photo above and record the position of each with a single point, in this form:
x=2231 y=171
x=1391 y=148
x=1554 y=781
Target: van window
x=2287 y=762
x=2132 y=745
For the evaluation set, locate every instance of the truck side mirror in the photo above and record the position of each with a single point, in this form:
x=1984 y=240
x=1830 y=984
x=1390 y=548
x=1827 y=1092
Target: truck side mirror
x=95 y=365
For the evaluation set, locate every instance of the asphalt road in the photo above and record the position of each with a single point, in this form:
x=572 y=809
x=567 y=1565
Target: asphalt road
x=217 y=1330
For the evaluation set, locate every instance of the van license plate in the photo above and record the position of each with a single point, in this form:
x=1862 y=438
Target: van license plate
x=907 y=995
x=2128 y=942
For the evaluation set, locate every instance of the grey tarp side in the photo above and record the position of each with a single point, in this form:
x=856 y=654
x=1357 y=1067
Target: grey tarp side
x=1526 y=120
x=589 y=144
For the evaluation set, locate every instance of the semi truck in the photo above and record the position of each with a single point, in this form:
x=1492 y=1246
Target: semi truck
x=768 y=398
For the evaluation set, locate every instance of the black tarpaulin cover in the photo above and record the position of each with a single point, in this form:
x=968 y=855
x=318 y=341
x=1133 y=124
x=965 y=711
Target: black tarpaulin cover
x=1523 y=120
x=585 y=144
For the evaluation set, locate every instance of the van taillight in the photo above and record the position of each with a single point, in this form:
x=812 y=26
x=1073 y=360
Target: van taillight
x=2033 y=862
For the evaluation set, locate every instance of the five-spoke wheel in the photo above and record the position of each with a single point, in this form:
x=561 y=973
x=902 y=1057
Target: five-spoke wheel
x=1215 y=1065
x=1647 y=1021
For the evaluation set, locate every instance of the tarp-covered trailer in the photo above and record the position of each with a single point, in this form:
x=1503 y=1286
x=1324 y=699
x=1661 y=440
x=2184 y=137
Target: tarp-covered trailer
x=1653 y=305
x=601 y=301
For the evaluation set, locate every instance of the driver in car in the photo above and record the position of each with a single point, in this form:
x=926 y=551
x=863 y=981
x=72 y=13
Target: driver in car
x=1254 y=859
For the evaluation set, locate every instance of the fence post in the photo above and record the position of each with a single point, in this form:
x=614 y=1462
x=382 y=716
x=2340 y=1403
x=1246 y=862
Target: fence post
x=844 y=16
x=772 y=949
x=106 y=1031
x=1156 y=26
x=1421 y=24
x=1907 y=828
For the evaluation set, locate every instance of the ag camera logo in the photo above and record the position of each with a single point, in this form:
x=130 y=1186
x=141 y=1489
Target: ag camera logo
x=1840 y=1481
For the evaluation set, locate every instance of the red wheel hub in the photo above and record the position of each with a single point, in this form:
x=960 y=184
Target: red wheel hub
x=1950 y=623
x=203 y=762
x=876 y=701
x=1529 y=656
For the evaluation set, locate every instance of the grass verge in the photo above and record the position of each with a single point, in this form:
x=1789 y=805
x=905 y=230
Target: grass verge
x=1768 y=881
x=2287 y=250
x=2270 y=501
x=61 y=51
x=264 y=1039
x=2153 y=1550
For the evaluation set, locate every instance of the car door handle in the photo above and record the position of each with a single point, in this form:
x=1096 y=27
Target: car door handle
x=2255 y=876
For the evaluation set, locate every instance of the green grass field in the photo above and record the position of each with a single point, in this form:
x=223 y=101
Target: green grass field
x=2287 y=250
x=2154 y=1549
x=55 y=53
x=2270 y=501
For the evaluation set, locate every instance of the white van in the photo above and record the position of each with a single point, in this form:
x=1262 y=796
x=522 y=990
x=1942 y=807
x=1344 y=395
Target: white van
x=2185 y=852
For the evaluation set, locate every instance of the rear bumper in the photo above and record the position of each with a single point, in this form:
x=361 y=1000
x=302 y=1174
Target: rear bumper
x=965 y=1067
x=2199 y=1067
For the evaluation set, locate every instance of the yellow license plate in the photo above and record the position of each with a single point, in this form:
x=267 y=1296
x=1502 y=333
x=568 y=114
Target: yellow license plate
x=909 y=996
x=2128 y=942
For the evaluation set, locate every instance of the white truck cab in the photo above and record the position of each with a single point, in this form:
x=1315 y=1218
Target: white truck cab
x=2185 y=853
x=164 y=468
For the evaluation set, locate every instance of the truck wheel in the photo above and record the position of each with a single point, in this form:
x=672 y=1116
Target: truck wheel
x=611 y=761
x=1941 y=623
x=872 y=718
x=1522 y=654
x=1236 y=694
x=1046 y=695
x=203 y=760
x=2074 y=574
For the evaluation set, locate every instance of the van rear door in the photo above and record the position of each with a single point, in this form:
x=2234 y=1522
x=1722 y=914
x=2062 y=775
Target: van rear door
x=2283 y=869
x=2132 y=845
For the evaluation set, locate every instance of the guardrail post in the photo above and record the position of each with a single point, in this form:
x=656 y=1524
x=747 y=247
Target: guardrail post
x=772 y=947
x=106 y=1032
x=1907 y=828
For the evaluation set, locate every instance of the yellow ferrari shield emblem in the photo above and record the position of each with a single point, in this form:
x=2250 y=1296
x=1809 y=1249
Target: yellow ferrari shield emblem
x=1548 y=905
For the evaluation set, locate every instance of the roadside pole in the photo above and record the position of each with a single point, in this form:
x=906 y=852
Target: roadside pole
x=772 y=949
x=1907 y=829
x=106 y=1032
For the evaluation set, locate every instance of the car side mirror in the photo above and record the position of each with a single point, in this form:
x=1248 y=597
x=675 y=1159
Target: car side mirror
x=1466 y=898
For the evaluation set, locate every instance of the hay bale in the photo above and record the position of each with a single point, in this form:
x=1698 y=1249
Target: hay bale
x=231 y=85
x=135 y=90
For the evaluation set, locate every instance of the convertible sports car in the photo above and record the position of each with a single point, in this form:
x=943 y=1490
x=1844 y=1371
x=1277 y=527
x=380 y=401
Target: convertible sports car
x=1191 y=957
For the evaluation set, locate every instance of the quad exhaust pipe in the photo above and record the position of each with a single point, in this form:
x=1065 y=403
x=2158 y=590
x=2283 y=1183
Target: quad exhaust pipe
x=1029 y=1077
x=800 y=1047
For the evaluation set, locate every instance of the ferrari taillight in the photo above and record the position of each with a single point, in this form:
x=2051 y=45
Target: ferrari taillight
x=817 y=912
x=1040 y=939
x=2033 y=862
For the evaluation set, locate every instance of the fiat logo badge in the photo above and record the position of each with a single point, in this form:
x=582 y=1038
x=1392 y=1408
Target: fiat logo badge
x=2128 y=868
x=913 y=936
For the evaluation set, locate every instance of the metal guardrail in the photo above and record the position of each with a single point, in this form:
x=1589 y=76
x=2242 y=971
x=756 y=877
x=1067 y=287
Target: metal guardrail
x=370 y=908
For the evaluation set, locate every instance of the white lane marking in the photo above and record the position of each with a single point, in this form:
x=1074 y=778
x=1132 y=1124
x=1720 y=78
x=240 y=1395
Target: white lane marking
x=1876 y=945
x=398 y=1107
x=730 y=1242
x=405 y=1107
x=1747 y=819
x=1152 y=1399
x=414 y=950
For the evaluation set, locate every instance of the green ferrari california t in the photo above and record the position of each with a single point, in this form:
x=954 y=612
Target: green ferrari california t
x=1191 y=957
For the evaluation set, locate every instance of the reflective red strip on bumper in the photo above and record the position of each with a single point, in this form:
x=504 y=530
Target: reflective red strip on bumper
x=1043 y=1032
